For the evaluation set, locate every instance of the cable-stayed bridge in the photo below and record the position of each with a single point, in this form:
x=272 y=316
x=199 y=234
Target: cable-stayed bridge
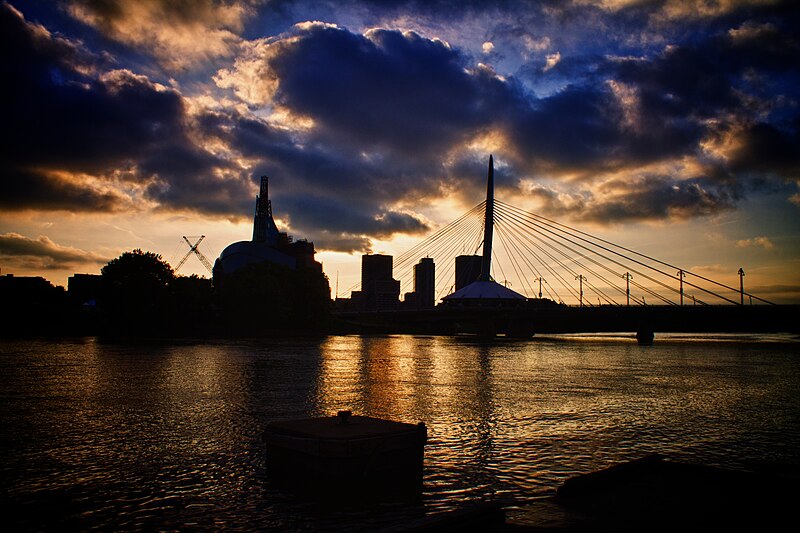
x=556 y=277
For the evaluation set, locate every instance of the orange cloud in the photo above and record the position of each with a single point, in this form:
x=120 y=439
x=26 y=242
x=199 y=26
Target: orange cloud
x=178 y=34
x=42 y=253
x=762 y=242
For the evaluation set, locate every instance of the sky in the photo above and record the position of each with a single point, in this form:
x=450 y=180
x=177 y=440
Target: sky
x=671 y=127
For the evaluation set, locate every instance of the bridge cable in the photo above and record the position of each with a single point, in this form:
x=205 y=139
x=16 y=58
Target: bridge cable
x=514 y=263
x=591 y=286
x=547 y=266
x=533 y=224
x=594 y=289
x=554 y=224
x=545 y=284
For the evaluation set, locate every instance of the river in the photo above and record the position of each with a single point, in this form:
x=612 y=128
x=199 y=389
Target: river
x=168 y=435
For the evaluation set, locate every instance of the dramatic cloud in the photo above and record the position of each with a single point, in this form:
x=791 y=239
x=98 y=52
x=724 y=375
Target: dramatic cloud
x=601 y=111
x=644 y=198
x=24 y=190
x=347 y=220
x=20 y=251
x=381 y=91
x=115 y=126
x=178 y=33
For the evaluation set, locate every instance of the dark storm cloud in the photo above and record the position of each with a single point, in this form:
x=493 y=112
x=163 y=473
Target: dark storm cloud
x=314 y=168
x=184 y=176
x=317 y=167
x=405 y=100
x=395 y=118
x=766 y=148
x=660 y=197
x=400 y=92
x=585 y=129
x=333 y=196
x=348 y=244
x=386 y=89
x=63 y=119
x=343 y=221
x=22 y=189
x=645 y=198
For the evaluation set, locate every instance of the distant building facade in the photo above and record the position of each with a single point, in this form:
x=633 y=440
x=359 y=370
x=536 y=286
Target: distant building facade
x=379 y=290
x=424 y=295
x=468 y=270
x=84 y=288
x=30 y=288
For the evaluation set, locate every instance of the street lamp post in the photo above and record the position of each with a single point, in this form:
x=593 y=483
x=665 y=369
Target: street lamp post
x=628 y=278
x=580 y=278
x=741 y=286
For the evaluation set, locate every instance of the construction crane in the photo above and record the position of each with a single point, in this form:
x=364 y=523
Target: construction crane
x=198 y=253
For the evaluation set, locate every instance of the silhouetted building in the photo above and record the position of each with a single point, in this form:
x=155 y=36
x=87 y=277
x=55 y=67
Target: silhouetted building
x=21 y=291
x=468 y=270
x=30 y=287
x=410 y=300
x=268 y=244
x=425 y=283
x=378 y=289
x=84 y=288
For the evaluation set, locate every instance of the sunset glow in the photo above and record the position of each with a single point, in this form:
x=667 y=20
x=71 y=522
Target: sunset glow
x=670 y=127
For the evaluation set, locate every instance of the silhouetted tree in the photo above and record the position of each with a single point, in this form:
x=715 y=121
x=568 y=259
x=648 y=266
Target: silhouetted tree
x=32 y=306
x=136 y=293
x=192 y=310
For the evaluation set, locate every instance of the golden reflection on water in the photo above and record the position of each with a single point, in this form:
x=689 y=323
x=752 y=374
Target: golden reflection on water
x=148 y=432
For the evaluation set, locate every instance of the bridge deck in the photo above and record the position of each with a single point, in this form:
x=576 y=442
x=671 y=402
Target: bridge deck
x=563 y=319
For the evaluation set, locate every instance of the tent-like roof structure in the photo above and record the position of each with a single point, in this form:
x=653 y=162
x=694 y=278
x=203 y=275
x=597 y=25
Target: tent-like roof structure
x=484 y=290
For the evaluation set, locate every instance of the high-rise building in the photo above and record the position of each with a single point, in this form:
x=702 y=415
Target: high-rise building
x=425 y=283
x=379 y=290
x=468 y=269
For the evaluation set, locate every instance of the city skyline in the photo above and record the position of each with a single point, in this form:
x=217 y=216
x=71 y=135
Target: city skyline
x=675 y=133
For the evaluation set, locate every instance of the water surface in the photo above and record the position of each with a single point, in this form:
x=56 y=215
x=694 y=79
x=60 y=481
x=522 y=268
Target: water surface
x=168 y=435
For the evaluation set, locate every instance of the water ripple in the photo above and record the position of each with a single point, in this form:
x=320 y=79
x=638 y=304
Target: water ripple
x=168 y=436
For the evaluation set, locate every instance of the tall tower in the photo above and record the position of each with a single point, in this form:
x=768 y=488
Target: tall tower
x=488 y=226
x=468 y=270
x=484 y=289
x=425 y=283
x=380 y=290
x=264 y=229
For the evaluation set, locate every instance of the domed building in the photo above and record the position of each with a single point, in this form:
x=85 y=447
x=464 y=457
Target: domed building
x=268 y=244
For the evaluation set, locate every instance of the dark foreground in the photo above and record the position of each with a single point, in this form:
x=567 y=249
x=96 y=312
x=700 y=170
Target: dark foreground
x=649 y=494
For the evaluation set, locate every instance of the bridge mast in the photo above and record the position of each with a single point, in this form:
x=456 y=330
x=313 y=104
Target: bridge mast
x=488 y=226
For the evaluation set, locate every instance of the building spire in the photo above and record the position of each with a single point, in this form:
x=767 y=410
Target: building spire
x=264 y=229
x=488 y=226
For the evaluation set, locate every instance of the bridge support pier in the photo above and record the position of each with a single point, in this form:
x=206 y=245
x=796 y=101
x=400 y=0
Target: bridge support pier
x=645 y=337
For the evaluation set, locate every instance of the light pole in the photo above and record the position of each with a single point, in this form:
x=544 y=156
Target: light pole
x=539 y=279
x=681 y=274
x=628 y=277
x=580 y=278
x=741 y=286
